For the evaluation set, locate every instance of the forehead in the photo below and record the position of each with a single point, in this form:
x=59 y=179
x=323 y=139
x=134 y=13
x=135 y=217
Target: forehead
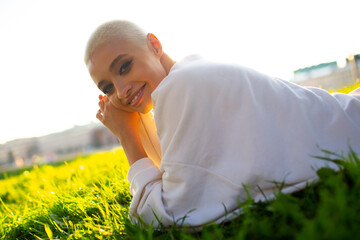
x=106 y=52
x=111 y=48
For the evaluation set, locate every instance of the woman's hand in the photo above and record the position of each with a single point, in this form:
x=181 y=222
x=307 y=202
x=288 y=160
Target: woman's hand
x=119 y=122
x=124 y=125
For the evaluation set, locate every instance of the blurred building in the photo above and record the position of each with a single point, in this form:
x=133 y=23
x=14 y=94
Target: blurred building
x=331 y=75
x=18 y=149
x=48 y=148
x=78 y=138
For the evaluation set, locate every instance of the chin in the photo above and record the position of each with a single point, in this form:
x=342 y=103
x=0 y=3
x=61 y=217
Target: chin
x=146 y=109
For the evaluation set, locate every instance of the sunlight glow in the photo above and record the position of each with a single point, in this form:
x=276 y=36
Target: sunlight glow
x=45 y=86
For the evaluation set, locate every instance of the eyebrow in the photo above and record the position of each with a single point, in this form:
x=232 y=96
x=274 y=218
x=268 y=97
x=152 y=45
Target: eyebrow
x=115 y=61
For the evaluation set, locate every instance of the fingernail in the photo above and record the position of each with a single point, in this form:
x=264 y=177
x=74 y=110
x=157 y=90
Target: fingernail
x=101 y=96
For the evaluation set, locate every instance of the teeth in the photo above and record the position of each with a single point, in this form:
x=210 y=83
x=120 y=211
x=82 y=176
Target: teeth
x=134 y=99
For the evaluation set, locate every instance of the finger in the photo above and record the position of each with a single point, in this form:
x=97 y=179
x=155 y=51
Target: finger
x=104 y=103
x=101 y=105
x=99 y=115
x=105 y=98
x=101 y=97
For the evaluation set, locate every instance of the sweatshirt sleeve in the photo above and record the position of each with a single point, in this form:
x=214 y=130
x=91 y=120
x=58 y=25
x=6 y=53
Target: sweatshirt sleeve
x=145 y=186
x=181 y=194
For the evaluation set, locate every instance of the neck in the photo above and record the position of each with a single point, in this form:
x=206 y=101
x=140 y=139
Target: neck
x=167 y=62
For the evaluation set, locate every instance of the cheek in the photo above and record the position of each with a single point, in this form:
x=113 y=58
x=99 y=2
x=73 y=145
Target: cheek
x=154 y=70
x=114 y=100
x=157 y=75
x=117 y=104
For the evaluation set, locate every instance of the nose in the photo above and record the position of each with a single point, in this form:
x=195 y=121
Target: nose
x=122 y=90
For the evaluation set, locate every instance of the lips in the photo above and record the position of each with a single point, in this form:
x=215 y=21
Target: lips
x=135 y=98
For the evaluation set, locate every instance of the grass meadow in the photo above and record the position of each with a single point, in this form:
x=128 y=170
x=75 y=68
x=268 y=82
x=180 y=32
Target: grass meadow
x=88 y=198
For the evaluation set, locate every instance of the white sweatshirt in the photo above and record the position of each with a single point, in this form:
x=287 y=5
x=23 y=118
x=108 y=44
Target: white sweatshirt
x=227 y=130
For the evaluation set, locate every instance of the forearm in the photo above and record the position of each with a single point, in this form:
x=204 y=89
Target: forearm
x=132 y=146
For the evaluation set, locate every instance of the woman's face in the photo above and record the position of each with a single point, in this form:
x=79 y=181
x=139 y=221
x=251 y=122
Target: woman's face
x=127 y=73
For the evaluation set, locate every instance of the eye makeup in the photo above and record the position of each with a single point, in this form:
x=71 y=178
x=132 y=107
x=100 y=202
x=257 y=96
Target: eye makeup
x=125 y=67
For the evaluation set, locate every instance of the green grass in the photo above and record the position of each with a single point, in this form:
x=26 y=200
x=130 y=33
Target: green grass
x=88 y=198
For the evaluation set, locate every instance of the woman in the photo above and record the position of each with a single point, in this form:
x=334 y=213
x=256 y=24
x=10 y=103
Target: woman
x=224 y=131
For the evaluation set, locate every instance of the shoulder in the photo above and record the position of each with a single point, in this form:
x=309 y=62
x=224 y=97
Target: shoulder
x=196 y=68
x=187 y=71
x=185 y=79
x=195 y=72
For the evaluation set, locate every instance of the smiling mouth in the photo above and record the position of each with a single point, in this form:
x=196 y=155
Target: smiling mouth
x=135 y=99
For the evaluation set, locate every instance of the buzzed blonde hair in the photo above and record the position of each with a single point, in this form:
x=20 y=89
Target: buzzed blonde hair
x=119 y=29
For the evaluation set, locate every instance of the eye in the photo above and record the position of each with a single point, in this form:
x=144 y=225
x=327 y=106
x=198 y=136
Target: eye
x=108 y=89
x=125 y=67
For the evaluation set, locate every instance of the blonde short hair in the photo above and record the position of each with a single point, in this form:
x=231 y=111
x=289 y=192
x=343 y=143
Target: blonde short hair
x=119 y=29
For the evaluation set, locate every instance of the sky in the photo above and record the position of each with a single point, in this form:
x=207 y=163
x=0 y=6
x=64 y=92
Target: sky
x=45 y=86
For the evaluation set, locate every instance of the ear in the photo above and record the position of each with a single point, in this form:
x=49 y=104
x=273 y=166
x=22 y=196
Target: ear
x=154 y=44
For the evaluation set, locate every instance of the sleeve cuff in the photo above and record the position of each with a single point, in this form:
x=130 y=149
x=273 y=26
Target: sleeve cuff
x=142 y=172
